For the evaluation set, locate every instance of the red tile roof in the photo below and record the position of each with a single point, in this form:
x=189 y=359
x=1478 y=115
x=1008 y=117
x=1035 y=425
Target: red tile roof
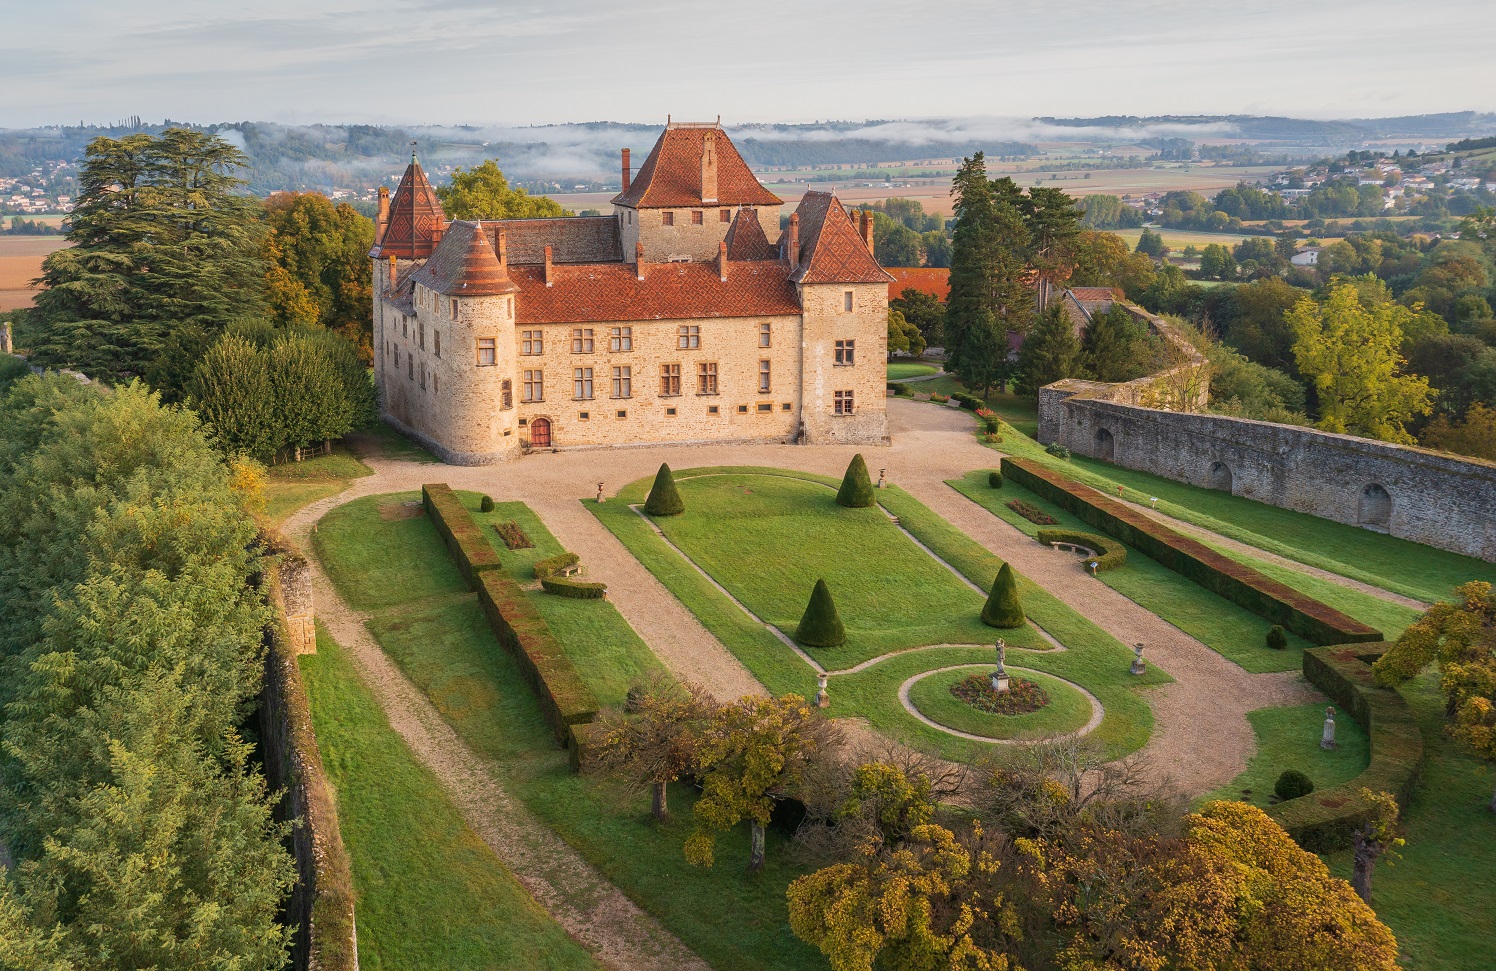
x=934 y=280
x=831 y=248
x=415 y=215
x=671 y=176
x=573 y=239
x=669 y=291
x=464 y=264
x=746 y=239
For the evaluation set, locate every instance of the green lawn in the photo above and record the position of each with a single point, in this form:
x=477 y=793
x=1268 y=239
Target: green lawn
x=291 y=485
x=393 y=445
x=430 y=893
x=1288 y=738
x=1020 y=412
x=903 y=370
x=1095 y=659
x=437 y=635
x=1440 y=895
x=1068 y=710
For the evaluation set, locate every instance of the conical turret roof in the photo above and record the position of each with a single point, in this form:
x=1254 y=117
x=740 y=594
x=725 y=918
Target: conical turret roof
x=464 y=264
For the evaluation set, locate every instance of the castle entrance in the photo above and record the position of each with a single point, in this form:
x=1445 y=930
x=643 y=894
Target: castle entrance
x=540 y=433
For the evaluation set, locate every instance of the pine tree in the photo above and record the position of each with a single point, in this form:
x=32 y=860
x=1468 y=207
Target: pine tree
x=856 y=490
x=990 y=295
x=1003 y=608
x=1050 y=353
x=973 y=241
x=821 y=626
x=664 y=499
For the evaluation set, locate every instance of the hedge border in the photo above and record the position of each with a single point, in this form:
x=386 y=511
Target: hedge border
x=552 y=565
x=575 y=589
x=1316 y=622
x=1325 y=819
x=564 y=697
x=462 y=536
x=1110 y=554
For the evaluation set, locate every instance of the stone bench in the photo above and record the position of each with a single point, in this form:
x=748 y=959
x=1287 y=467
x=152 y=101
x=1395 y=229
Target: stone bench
x=1074 y=548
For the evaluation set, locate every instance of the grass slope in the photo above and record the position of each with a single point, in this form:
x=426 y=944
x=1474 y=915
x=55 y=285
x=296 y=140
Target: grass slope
x=430 y=892
x=291 y=485
x=1288 y=738
x=903 y=370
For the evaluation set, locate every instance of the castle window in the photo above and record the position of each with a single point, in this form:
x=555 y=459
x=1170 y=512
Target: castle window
x=454 y=308
x=667 y=219
x=404 y=326
x=581 y=340
x=742 y=409
x=724 y=216
x=533 y=342
x=843 y=401
x=534 y=386
x=623 y=382
x=584 y=415
x=581 y=381
x=488 y=353
x=397 y=355
x=423 y=377
x=763 y=377
x=506 y=395
x=436 y=335
x=712 y=409
x=846 y=353
x=706 y=378
x=669 y=380
x=688 y=337
x=421 y=334
x=622 y=339
x=410 y=368
x=765 y=408
x=621 y=414
x=669 y=412
x=786 y=406
x=765 y=334
x=847 y=301
x=697 y=217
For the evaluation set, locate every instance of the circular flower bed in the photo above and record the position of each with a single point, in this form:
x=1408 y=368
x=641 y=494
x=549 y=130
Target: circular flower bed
x=1022 y=696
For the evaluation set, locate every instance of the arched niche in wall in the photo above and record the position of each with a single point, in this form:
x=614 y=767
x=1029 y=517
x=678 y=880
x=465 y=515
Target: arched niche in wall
x=1220 y=476
x=1375 y=506
x=1106 y=444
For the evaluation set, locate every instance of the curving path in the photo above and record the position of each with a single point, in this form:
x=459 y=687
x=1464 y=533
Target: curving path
x=1097 y=712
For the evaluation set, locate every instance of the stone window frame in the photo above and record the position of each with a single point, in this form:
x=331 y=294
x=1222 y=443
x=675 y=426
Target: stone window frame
x=766 y=407
x=848 y=302
x=844 y=403
x=453 y=307
x=410 y=367
x=490 y=347
x=742 y=409
x=621 y=339
x=845 y=353
x=532 y=342
x=532 y=386
x=667 y=218
x=688 y=337
x=506 y=394
x=786 y=407
x=766 y=334
x=706 y=378
x=405 y=327
x=670 y=412
x=724 y=215
x=621 y=413
x=765 y=374
x=582 y=341
x=421 y=333
x=623 y=381
x=436 y=336
x=698 y=217
x=670 y=381
x=581 y=384
x=712 y=409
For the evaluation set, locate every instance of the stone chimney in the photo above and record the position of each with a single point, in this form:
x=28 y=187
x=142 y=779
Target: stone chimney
x=867 y=229
x=792 y=241
x=709 y=166
x=383 y=219
x=639 y=259
x=722 y=260
x=436 y=235
x=627 y=175
x=549 y=270
x=503 y=251
x=394 y=273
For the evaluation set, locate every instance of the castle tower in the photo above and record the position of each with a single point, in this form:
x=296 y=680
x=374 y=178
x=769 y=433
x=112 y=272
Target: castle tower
x=414 y=220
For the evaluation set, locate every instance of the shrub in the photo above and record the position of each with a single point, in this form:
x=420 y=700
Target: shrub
x=995 y=479
x=552 y=565
x=1003 y=608
x=1032 y=513
x=1292 y=784
x=1058 y=451
x=1277 y=638
x=664 y=499
x=939 y=398
x=856 y=490
x=1110 y=554
x=821 y=626
x=513 y=535
x=574 y=589
x=462 y=536
x=486 y=505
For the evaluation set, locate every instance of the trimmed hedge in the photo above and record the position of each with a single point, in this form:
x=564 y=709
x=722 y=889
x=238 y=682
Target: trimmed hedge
x=1110 y=554
x=856 y=490
x=821 y=625
x=1314 y=621
x=463 y=536
x=664 y=498
x=995 y=479
x=1325 y=819
x=1003 y=608
x=575 y=589
x=552 y=565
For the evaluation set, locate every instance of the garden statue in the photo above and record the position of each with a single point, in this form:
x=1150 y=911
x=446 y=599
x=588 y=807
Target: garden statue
x=880 y=477
x=600 y=498
x=823 y=699
x=1000 y=676
x=1327 y=741
x=1138 y=667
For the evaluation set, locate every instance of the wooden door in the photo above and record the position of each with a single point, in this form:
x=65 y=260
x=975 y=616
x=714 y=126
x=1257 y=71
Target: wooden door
x=540 y=433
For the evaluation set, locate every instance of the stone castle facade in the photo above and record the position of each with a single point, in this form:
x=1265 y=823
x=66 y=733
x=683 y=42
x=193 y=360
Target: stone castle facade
x=674 y=319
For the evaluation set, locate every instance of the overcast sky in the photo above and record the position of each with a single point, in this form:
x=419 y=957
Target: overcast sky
x=500 y=61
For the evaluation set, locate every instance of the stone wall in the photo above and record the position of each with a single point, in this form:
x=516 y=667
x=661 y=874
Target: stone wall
x=1411 y=493
x=321 y=906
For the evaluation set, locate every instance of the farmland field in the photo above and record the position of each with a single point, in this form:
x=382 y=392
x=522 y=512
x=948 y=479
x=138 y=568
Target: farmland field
x=20 y=263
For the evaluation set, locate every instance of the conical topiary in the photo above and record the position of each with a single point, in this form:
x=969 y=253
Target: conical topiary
x=856 y=490
x=821 y=626
x=1002 y=608
x=664 y=499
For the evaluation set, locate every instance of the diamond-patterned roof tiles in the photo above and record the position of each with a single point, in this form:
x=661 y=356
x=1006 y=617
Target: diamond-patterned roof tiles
x=415 y=215
x=612 y=291
x=831 y=248
x=671 y=175
x=746 y=239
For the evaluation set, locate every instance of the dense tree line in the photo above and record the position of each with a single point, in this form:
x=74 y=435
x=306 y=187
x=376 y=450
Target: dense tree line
x=131 y=651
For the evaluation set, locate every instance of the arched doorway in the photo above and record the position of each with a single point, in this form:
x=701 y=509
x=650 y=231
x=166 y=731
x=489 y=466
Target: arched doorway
x=1220 y=476
x=1375 y=508
x=540 y=433
x=1106 y=445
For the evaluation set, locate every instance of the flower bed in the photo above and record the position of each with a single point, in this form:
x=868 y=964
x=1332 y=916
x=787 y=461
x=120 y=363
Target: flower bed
x=1022 y=696
x=513 y=536
x=1032 y=513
